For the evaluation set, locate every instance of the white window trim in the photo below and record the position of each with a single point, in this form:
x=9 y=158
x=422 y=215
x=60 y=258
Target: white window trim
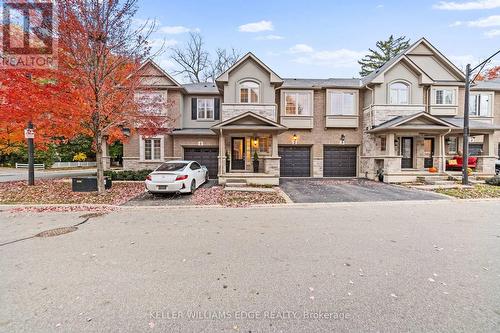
x=406 y=83
x=249 y=99
x=492 y=103
x=283 y=102
x=142 y=146
x=328 y=110
x=198 y=110
x=433 y=96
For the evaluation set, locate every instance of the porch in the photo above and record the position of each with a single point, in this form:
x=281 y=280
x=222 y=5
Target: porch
x=248 y=150
x=419 y=146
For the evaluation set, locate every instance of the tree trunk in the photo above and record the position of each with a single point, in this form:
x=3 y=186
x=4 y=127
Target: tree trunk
x=100 y=165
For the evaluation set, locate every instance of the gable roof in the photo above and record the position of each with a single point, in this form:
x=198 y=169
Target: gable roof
x=249 y=120
x=420 y=120
x=201 y=88
x=273 y=76
x=403 y=55
x=158 y=68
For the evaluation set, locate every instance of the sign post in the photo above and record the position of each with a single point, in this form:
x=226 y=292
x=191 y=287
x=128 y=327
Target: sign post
x=29 y=133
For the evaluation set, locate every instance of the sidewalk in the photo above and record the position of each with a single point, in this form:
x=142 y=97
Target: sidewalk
x=13 y=174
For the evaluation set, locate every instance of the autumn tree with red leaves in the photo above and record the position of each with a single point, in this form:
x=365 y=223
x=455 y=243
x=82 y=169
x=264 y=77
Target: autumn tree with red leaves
x=103 y=53
x=490 y=74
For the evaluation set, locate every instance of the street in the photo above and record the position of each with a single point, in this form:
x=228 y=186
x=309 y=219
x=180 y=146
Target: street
x=377 y=266
x=11 y=174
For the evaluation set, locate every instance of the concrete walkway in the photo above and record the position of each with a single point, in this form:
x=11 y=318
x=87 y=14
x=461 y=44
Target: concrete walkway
x=12 y=174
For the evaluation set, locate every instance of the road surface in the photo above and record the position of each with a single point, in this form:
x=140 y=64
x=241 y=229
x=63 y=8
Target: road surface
x=10 y=174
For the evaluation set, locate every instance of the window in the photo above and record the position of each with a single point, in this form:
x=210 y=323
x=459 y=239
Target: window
x=452 y=144
x=298 y=104
x=383 y=143
x=152 y=149
x=342 y=103
x=249 y=92
x=264 y=145
x=445 y=97
x=205 y=108
x=171 y=166
x=399 y=93
x=195 y=166
x=480 y=105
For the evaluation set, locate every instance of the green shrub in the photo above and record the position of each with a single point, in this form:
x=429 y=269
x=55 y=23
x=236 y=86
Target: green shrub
x=493 y=181
x=139 y=175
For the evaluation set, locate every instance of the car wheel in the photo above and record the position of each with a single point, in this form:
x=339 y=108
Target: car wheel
x=193 y=186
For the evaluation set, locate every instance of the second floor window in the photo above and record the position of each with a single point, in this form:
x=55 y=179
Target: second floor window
x=205 y=108
x=399 y=93
x=445 y=97
x=480 y=105
x=342 y=104
x=298 y=104
x=249 y=92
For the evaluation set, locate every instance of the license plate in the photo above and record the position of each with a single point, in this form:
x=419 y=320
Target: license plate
x=162 y=187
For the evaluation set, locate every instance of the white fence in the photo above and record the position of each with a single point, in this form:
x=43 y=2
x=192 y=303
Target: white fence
x=73 y=164
x=25 y=166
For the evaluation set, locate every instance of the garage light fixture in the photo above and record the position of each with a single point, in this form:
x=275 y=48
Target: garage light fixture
x=294 y=139
x=255 y=142
x=342 y=139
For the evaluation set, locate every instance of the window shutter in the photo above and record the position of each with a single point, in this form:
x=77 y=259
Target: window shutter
x=216 y=108
x=194 y=108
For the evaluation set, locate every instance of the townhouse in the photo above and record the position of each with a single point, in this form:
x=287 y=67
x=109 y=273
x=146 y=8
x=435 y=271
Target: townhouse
x=403 y=119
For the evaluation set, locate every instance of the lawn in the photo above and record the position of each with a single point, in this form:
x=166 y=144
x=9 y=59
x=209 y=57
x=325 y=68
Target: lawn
x=217 y=196
x=477 y=192
x=59 y=192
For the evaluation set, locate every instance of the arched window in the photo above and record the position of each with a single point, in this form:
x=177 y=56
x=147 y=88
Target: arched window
x=249 y=92
x=399 y=93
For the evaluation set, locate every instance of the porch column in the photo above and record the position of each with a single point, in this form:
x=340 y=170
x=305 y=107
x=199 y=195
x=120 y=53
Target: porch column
x=488 y=145
x=222 y=154
x=275 y=145
x=391 y=149
x=486 y=162
x=442 y=160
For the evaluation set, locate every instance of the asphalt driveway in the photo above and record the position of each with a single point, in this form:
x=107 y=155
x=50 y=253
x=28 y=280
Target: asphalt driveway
x=349 y=190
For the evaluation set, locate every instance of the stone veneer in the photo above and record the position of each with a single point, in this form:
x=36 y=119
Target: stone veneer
x=232 y=110
x=272 y=165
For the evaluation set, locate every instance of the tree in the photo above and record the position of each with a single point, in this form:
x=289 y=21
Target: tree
x=103 y=54
x=489 y=74
x=195 y=62
x=385 y=50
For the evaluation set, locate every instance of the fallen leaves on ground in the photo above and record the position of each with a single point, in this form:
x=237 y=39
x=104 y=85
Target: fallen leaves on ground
x=63 y=209
x=59 y=192
x=217 y=196
x=477 y=192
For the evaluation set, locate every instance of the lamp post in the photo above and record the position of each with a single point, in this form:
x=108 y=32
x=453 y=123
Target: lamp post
x=468 y=81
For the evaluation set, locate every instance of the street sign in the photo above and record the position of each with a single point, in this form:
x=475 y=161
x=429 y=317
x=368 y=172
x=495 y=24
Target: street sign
x=29 y=133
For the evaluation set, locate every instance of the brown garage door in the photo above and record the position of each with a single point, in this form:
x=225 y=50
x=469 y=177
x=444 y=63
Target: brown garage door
x=295 y=161
x=339 y=161
x=204 y=156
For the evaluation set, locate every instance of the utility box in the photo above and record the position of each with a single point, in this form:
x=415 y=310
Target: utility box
x=88 y=184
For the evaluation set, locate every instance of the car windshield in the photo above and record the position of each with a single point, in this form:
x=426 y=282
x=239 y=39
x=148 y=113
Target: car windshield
x=171 y=166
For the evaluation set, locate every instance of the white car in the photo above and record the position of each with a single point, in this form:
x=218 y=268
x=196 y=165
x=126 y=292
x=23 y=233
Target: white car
x=176 y=176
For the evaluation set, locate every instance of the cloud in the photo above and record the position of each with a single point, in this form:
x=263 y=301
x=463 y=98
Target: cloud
x=176 y=29
x=462 y=60
x=490 y=21
x=269 y=37
x=159 y=42
x=492 y=33
x=257 y=26
x=301 y=48
x=341 y=58
x=470 y=5
x=380 y=6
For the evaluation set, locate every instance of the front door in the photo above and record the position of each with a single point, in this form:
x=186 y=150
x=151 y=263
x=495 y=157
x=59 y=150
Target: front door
x=428 y=152
x=407 y=153
x=238 y=153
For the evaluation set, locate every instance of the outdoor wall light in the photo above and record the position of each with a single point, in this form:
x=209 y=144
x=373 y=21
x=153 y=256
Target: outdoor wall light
x=255 y=142
x=294 y=139
x=342 y=139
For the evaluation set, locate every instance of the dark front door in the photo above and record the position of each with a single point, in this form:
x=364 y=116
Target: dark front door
x=428 y=152
x=407 y=153
x=339 y=161
x=238 y=153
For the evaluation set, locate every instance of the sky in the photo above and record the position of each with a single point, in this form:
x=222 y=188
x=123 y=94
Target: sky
x=323 y=39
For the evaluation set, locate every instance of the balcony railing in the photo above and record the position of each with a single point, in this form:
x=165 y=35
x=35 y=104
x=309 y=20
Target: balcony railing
x=231 y=110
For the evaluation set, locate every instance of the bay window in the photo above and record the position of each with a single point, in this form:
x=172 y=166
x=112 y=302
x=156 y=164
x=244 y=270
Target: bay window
x=298 y=103
x=342 y=104
x=205 y=108
x=480 y=104
x=399 y=93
